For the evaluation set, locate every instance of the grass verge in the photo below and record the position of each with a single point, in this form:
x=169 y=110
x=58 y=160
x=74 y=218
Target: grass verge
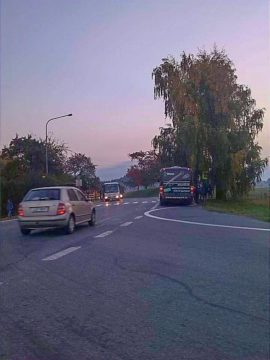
x=256 y=208
x=142 y=193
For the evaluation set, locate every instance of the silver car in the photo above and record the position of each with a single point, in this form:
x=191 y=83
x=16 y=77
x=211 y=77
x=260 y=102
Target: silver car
x=55 y=207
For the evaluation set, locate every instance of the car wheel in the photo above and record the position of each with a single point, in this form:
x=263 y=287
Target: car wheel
x=70 y=225
x=25 y=231
x=92 y=221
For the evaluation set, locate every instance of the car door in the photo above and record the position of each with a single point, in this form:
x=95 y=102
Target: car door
x=75 y=204
x=84 y=205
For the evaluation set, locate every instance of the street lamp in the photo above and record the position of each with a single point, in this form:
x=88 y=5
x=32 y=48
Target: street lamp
x=46 y=143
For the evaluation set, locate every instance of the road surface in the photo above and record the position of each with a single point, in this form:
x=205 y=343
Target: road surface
x=167 y=283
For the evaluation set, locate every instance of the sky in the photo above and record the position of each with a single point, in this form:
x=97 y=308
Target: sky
x=95 y=59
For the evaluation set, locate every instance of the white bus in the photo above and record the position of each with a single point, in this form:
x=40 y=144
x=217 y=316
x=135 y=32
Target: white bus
x=112 y=191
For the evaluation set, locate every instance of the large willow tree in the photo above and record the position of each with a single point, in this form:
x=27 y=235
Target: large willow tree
x=214 y=121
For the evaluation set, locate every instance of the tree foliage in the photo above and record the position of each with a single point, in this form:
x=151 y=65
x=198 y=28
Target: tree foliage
x=28 y=155
x=146 y=171
x=22 y=167
x=214 y=120
x=81 y=166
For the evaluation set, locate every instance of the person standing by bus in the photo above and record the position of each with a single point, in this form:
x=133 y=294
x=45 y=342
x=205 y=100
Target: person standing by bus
x=199 y=191
x=10 y=208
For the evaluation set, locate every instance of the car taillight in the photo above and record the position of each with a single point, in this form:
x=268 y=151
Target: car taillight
x=161 y=189
x=20 y=211
x=61 y=210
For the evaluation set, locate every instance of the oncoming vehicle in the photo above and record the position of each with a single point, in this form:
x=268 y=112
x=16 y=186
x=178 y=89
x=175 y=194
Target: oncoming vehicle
x=112 y=191
x=55 y=207
x=176 y=185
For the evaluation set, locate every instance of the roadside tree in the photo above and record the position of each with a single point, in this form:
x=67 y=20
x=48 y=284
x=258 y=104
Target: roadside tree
x=214 y=121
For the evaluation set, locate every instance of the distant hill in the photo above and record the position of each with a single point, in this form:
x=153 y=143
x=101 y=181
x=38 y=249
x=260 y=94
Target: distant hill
x=266 y=173
x=263 y=183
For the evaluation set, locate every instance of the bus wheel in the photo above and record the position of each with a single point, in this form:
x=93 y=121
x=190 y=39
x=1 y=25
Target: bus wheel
x=162 y=202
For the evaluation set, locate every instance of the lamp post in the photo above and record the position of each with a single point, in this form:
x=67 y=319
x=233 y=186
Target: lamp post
x=46 y=142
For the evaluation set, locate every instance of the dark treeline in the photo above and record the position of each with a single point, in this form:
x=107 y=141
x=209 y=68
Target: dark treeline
x=22 y=166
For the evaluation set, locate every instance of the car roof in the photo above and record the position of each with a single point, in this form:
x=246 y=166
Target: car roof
x=55 y=188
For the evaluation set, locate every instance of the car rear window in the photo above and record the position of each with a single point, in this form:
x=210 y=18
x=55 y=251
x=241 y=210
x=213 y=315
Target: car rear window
x=43 y=194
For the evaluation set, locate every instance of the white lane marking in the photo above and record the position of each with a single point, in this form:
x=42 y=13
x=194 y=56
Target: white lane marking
x=61 y=253
x=154 y=201
x=127 y=223
x=1 y=283
x=135 y=202
x=138 y=217
x=148 y=213
x=99 y=205
x=106 y=233
x=145 y=202
x=126 y=203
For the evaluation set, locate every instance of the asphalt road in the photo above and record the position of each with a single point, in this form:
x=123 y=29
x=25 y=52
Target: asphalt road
x=140 y=285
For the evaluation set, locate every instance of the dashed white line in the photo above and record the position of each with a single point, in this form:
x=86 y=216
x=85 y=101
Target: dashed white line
x=99 y=205
x=126 y=203
x=154 y=201
x=127 y=223
x=138 y=217
x=61 y=253
x=145 y=202
x=106 y=233
x=135 y=202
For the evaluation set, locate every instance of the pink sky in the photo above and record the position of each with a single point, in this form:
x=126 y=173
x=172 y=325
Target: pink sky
x=95 y=58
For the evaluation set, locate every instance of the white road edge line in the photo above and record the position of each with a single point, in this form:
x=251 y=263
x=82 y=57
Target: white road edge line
x=138 y=217
x=106 y=233
x=61 y=253
x=127 y=223
x=148 y=214
x=154 y=207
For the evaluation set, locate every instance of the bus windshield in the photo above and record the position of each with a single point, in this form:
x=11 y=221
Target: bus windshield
x=176 y=174
x=111 y=188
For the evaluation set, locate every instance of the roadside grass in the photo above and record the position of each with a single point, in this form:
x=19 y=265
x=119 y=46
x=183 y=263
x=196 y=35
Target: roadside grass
x=256 y=205
x=142 y=193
